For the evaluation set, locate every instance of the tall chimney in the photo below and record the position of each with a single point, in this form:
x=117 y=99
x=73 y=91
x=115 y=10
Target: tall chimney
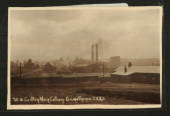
x=92 y=52
x=97 y=53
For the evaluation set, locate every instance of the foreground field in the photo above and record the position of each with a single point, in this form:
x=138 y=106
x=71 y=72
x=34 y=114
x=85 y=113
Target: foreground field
x=138 y=88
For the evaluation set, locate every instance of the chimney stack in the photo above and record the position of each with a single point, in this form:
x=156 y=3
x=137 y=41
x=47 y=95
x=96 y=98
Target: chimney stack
x=92 y=56
x=94 y=53
x=97 y=53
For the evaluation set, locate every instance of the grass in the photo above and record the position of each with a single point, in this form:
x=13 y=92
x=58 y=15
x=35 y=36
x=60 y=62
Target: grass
x=138 y=88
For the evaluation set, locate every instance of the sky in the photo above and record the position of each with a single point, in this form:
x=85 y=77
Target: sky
x=69 y=32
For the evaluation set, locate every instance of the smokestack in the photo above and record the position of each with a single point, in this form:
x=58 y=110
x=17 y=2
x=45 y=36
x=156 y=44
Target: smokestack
x=97 y=53
x=20 y=70
x=92 y=53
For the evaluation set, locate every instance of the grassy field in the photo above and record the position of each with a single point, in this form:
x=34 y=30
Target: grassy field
x=137 y=88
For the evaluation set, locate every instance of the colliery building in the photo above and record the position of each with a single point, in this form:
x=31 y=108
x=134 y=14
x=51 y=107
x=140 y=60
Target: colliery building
x=97 y=65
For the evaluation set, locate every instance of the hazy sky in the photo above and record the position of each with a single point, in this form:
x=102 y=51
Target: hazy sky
x=50 y=34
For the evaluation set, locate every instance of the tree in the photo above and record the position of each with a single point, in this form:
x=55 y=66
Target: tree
x=29 y=64
x=49 y=68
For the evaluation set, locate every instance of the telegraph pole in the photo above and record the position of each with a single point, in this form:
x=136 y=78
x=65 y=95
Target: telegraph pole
x=103 y=68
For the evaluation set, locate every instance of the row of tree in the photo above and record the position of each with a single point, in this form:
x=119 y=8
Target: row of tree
x=30 y=66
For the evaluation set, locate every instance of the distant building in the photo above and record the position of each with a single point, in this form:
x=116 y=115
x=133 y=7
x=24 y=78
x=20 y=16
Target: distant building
x=141 y=61
x=91 y=68
x=114 y=61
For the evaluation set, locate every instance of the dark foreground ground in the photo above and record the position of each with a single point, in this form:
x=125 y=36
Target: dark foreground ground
x=137 y=88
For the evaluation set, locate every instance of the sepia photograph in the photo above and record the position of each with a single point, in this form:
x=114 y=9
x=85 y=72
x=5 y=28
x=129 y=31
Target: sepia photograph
x=84 y=57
